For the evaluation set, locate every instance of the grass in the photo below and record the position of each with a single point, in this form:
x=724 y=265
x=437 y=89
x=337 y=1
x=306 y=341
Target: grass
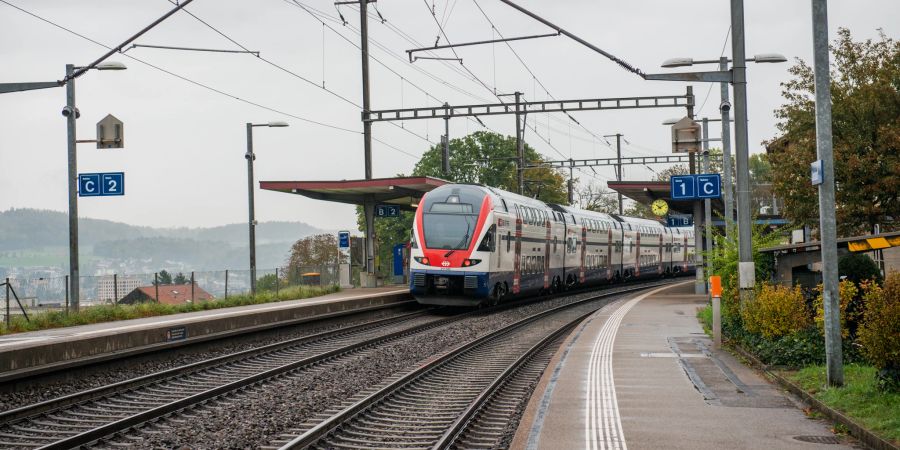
x=109 y=313
x=704 y=315
x=859 y=398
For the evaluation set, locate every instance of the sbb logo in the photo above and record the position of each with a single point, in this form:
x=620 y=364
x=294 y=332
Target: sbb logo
x=446 y=263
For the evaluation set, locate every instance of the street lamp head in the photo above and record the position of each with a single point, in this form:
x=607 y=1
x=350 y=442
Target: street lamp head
x=277 y=124
x=769 y=58
x=672 y=121
x=678 y=62
x=110 y=65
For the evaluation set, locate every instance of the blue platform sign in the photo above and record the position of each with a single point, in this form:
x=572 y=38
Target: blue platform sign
x=816 y=173
x=387 y=211
x=343 y=239
x=683 y=187
x=709 y=186
x=679 y=221
x=88 y=184
x=101 y=184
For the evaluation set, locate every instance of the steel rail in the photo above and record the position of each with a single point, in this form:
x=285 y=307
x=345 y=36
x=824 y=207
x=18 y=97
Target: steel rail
x=326 y=427
x=35 y=409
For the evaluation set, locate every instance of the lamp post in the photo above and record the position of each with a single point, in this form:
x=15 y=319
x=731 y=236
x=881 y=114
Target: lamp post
x=725 y=109
x=71 y=113
x=738 y=77
x=250 y=156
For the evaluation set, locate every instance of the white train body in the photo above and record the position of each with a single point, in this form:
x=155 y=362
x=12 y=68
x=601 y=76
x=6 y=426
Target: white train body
x=474 y=244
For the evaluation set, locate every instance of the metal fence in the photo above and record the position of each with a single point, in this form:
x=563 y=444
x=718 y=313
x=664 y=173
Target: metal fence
x=52 y=293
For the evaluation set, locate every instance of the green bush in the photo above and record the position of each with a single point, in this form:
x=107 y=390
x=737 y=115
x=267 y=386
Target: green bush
x=776 y=311
x=851 y=308
x=879 y=332
x=858 y=267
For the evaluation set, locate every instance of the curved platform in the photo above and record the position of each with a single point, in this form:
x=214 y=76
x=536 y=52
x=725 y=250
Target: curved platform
x=641 y=374
x=36 y=352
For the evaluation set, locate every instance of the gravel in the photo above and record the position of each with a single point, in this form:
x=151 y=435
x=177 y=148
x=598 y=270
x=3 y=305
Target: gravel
x=258 y=415
x=90 y=377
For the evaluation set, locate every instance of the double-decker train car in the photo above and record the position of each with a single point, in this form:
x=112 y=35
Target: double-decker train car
x=474 y=244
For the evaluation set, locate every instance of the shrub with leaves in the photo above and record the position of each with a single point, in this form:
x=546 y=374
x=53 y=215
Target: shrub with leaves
x=879 y=333
x=858 y=267
x=776 y=311
x=851 y=310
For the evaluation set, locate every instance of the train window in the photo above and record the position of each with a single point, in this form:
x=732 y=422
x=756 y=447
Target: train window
x=487 y=243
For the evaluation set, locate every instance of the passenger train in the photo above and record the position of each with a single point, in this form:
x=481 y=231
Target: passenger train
x=474 y=244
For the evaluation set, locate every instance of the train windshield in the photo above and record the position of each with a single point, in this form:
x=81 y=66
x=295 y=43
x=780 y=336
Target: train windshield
x=450 y=216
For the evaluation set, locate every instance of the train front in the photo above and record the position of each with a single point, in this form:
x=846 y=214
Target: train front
x=451 y=246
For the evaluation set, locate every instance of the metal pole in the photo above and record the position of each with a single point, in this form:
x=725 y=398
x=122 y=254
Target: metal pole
x=364 y=49
x=717 y=322
x=156 y=283
x=252 y=212
x=827 y=225
x=707 y=210
x=699 y=279
x=445 y=141
x=619 y=167
x=73 y=186
x=520 y=147
x=276 y=281
x=226 y=284
x=726 y=149
x=7 y=302
x=67 y=294
x=369 y=210
x=115 y=289
x=369 y=207
x=192 y=286
x=746 y=268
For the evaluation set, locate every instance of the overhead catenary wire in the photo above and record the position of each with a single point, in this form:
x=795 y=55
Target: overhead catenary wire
x=199 y=84
x=292 y=73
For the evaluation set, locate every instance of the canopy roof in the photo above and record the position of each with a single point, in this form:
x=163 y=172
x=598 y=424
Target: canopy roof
x=404 y=192
x=647 y=191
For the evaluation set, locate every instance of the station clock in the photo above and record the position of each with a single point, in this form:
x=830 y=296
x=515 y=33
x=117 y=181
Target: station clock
x=659 y=207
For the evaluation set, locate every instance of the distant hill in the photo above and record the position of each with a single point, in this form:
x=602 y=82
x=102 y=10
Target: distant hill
x=32 y=231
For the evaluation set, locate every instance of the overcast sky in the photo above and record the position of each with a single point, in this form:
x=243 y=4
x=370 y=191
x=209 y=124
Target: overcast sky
x=185 y=143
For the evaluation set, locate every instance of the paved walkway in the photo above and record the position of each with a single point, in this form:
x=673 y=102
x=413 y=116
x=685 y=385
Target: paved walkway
x=640 y=374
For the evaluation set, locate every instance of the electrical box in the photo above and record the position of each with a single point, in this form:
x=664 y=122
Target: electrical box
x=686 y=136
x=110 y=132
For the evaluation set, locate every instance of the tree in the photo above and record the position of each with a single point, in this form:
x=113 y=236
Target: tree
x=266 y=283
x=597 y=198
x=489 y=159
x=180 y=279
x=310 y=253
x=865 y=92
x=164 y=277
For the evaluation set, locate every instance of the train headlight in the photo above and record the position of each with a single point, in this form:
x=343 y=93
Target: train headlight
x=470 y=262
x=422 y=260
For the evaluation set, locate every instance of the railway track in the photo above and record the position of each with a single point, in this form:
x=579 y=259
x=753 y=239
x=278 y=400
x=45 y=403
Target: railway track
x=85 y=417
x=465 y=398
x=105 y=415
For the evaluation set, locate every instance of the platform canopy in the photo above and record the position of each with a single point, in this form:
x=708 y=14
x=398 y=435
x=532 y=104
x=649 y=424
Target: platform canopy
x=404 y=192
x=647 y=192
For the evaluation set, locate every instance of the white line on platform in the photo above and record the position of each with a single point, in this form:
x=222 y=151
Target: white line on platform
x=603 y=425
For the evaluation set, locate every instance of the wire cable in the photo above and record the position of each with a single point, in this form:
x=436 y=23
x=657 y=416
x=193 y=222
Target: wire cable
x=199 y=84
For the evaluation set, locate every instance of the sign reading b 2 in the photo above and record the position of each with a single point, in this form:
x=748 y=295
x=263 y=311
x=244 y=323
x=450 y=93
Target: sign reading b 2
x=387 y=211
x=101 y=184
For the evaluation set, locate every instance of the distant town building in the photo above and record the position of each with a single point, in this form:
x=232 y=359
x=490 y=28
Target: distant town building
x=106 y=291
x=169 y=294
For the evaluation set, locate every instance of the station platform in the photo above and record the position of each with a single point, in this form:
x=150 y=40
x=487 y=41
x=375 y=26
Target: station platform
x=641 y=374
x=30 y=353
